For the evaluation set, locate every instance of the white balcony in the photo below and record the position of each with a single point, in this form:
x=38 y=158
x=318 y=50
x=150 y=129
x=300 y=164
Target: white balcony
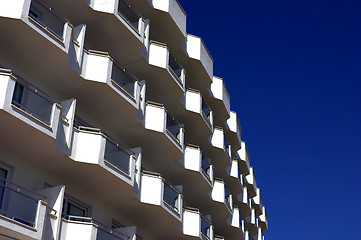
x=237 y=225
x=160 y=56
x=262 y=220
x=107 y=23
x=233 y=131
x=235 y=179
x=199 y=180
x=220 y=152
x=222 y=204
x=25 y=214
x=257 y=202
x=167 y=18
x=162 y=210
x=157 y=118
x=100 y=151
x=219 y=101
x=243 y=157
x=100 y=67
x=197 y=225
x=85 y=228
x=27 y=103
x=18 y=16
x=218 y=237
x=199 y=63
x=251 y=183
x=244 y=203
x=251 y=223
x=199 y=122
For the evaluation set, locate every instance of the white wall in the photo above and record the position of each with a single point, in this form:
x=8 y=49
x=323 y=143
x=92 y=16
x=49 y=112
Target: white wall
x=151 y=189
x=193 y=101
x=158 y=55
x=155 y=118
x=192 y=158
x=217 y=138
x=191 y=223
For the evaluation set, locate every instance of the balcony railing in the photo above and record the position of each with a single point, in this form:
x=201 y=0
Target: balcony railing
x=206 y=111
x=127 y=12
x=33 y=102
x=19 y=204
x=47 y=18
x=171 y=197
x=123 y=79
x=173 y=127
x=103 y=233
x=175 y=68
x=206 y=167
x=205 y=227
x=117 y=156
x=227 y=197
x=226 y=145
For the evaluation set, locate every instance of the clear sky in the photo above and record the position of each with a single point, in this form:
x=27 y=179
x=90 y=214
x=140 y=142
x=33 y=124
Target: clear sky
x=293 y=69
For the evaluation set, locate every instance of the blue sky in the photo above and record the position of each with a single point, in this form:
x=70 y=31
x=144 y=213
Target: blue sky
x=293 y=69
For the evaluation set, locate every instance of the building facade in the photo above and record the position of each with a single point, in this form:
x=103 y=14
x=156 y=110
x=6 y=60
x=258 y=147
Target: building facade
x=114 y=127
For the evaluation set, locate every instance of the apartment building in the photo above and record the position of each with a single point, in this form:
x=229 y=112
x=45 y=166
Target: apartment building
x=114 y=127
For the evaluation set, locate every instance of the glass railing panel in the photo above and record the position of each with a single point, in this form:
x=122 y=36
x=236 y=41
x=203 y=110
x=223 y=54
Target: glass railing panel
x=171 y=196
x=226 y=144
x=175 y=68
x=227 y=197
x=206 y=166
x=117 y=156
x=205 y=227
x=19 y=204
x=206 y=110
x=123 y=79
x=173 y=127
x=126 y=11
x=47 y=18
x=33 y=102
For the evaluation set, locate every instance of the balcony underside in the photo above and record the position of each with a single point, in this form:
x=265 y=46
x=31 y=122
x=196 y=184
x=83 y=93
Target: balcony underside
x=252 y=228
x=234 y=233
x=38 y=149
x=197 y=76
x=196 y=129
x=161 y=86
x=221 y=114
x=233 y=140
x=163 y=28
x=234 y=186
x=159 y=153
x=219 y=159
x=104 y=31
x=244 y=209
x=196 y=188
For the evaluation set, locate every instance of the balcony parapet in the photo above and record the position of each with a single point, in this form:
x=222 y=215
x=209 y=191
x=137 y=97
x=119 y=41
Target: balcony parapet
x=220 y=151
x=251 y=223
x=42 y=18
x=157 y=118
x=197 y=225
x=221 y=194
x=250 y=181
x=194 y=159
x=91 y=145
x=243 y=158
x=233 y=131
x=101 y=67
x=244 y=203
x=235 y=179
x=26 y=214
x=194 y=102
x=159 y=55
x=156 y=190
x=200 y=62
x=257 y=202
x=237 y=224
x=219 y=101
x=262 y=220
x=86 y=228
x=29 y=104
